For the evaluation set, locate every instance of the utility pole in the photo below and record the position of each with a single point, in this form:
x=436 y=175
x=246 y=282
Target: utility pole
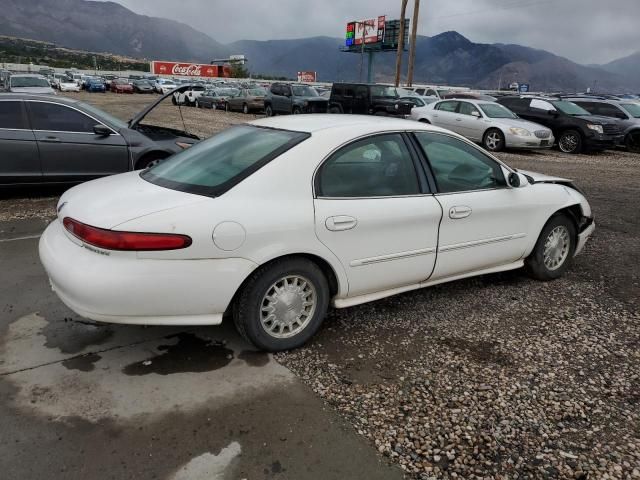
x=403 y=12
x=412 y=45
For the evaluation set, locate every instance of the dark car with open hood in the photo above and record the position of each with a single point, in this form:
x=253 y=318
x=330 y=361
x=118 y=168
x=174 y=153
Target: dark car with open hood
x=53 y=139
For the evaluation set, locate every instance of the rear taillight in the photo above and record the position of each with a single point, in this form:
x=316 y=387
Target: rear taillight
x=131 y=241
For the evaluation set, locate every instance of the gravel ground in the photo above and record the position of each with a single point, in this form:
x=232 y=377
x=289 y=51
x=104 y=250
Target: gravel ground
x=493 y=377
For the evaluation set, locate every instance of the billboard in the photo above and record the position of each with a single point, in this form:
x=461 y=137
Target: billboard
x=189 y=69
x=307 y=77
x=369 y=31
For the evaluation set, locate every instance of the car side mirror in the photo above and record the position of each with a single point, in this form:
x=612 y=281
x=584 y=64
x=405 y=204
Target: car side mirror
x=553 y=112
x=476 y=114
x=101 y=130
x=517 y=180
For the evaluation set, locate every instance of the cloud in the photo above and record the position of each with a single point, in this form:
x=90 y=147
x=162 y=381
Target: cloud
x=585 y=31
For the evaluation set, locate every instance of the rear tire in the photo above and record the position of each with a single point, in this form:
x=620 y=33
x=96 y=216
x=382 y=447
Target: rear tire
x=553 y=253
x=282 y=304
x=173 y=99
x=245 y=109
x=570 y=141
x=334 y=110
x=198 y=104
x=424 y=120
x=296 y=111
x=493 y=140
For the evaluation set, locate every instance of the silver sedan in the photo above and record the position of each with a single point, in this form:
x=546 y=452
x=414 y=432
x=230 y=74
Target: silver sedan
x=491 y=124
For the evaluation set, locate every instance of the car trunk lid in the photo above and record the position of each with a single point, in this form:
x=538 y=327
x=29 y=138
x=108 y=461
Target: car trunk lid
x=111 y=201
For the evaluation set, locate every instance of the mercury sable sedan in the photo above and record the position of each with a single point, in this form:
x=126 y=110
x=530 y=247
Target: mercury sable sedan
x=489 y=123
x=279 y=218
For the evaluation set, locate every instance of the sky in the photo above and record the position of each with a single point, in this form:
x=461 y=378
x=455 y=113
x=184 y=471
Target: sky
x=585 y=31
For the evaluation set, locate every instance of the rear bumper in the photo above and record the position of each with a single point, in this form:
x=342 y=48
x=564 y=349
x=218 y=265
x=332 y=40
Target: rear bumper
x=119 y=287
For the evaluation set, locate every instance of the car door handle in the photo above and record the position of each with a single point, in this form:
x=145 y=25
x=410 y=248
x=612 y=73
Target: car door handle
x=461 y=211
x=51 y=139
x=340 y=222
x=458 y=119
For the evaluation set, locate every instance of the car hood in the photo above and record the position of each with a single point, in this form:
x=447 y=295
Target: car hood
x=542 y=178
x=111 y=201
x=133 y=123
x=313 y=99
x=37 y=90
x=517 y=123
x=598 y=119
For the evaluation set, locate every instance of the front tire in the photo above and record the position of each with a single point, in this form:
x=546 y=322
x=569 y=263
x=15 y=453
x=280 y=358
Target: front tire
x=245 y=109
x=553 y=253
x=493 y=140
x=268 y=111
x=632 y=142
x=282 y=304
x=570 y=141
x=296 y=111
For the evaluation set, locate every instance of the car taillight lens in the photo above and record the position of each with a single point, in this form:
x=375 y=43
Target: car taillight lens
x=130 y=241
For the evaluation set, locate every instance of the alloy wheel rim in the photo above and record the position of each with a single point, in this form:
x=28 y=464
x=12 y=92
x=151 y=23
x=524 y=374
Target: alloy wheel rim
x=288 y=306
x=568 y=143
x=556 y=248
x=493 y=140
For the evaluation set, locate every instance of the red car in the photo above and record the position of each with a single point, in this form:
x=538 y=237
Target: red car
x=121 y=86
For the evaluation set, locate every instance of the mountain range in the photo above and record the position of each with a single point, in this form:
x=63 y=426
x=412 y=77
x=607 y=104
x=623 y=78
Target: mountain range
x=448 y=58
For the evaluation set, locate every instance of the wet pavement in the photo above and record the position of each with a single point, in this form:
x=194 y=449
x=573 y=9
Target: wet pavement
x=83 y=400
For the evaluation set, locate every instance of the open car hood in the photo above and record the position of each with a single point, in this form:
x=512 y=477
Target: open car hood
x=133 y=123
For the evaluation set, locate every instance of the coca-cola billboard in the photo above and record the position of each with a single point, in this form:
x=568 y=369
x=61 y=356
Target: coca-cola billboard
x=189 y=69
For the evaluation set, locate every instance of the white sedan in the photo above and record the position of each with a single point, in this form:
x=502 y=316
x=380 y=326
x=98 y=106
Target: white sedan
x=279 y=218
x=68 y=85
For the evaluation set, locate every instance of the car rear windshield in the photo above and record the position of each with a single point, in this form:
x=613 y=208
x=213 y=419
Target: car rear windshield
x=632 y=108
x=19 y=82
x=495 y=110
x=215 y=165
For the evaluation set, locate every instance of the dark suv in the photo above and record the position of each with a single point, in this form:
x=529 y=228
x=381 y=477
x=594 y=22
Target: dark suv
x=575 y=129
x=627 y=111
x=293 y=98
x=368 y=99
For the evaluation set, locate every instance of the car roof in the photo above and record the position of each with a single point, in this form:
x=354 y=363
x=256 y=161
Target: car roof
x=36 y=75
x=310 y=123
x=28 y=96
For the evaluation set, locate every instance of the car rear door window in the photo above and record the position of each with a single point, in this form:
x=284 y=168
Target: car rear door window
x=12 y=115
x=458 y=166
x=447 y=106
x=59 y=118
x=467 y=108
x=378 y=166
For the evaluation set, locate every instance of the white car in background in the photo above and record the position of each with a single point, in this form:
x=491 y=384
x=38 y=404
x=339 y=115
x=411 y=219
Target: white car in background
x=29 y=83
x=164 y=86
x=279 y=218
x=488 y=123
x=189 y=96
x=68 y=85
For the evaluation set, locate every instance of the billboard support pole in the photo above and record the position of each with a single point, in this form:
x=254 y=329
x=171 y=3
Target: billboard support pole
x=403 y=12
x=412 y=45
x=371 y=67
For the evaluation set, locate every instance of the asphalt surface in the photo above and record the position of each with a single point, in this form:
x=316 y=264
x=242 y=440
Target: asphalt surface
x=81 y=400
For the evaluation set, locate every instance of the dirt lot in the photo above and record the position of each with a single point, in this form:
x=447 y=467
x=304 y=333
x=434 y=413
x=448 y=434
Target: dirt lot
x=494 y=377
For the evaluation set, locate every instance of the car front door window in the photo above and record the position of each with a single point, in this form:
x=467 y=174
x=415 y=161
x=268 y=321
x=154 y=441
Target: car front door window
x=59 y=118
x=458 y=166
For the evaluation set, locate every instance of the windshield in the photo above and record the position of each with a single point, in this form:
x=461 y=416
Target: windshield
x=569 y=108
x=143 y=83
x=382 y=91
x=20 y=82
x=495 y=110
x=304 y=91
x=102 y=115
x=215 y=165
x=257 y=92
x=632 y=108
